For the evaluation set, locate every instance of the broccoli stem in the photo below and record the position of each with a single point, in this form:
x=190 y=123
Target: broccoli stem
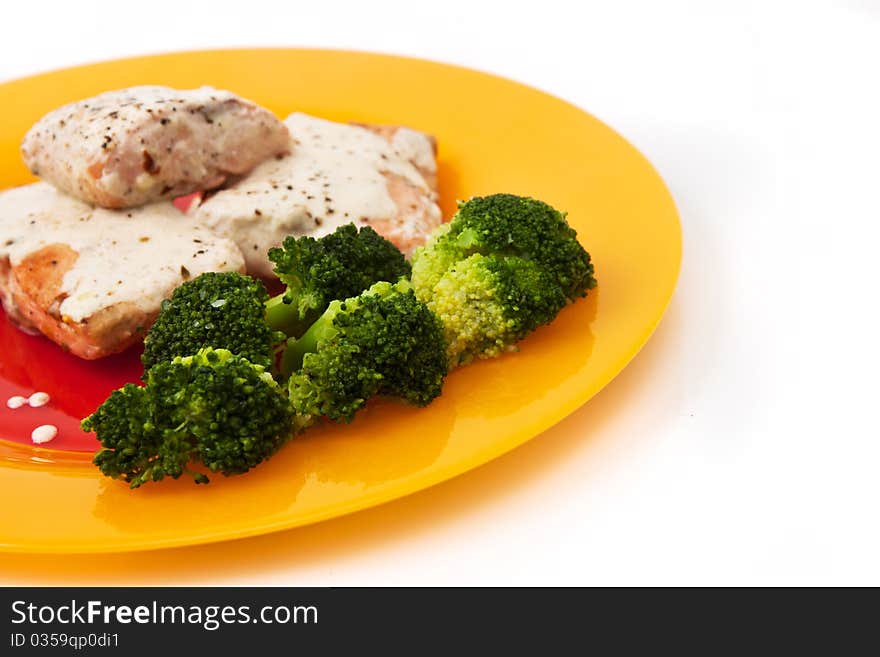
x=284 y=317
x=321 y=329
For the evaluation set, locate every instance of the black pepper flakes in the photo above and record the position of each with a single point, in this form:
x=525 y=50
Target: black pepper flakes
x=149 y=164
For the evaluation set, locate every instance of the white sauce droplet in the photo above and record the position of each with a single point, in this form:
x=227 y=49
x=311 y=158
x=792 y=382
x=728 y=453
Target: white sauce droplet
x=44 y=433
x=16 y=402
x=38 y=399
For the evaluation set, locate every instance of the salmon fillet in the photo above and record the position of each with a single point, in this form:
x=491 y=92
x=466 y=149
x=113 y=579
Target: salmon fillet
x=92 y=279
x=336 y=173
x=139 y=145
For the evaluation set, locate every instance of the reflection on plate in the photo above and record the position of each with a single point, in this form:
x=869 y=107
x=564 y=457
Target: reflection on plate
x=494 y=135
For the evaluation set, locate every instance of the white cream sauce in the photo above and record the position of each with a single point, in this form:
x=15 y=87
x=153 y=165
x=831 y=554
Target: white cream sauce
x=150 y=142
x=138 y=255
x=335 y=175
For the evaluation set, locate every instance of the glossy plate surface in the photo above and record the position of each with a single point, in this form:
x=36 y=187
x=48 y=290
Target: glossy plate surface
x=494 y=135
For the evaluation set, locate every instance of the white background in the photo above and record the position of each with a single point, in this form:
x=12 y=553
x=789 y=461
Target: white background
x=742 y=445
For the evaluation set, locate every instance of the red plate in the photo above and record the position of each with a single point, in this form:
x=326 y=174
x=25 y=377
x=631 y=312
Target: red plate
x=31 y=363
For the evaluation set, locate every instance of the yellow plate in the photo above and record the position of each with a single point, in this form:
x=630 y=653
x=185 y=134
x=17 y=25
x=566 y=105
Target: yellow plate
x=494 y=136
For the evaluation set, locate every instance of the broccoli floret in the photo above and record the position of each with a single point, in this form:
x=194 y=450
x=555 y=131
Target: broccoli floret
x=232 y=411
x=337 y=266
x=233 y=311
x=130 y=441
x=507 y=225
x=487 y=303
x=501 y=268
x=220 y=310
x=383 y=342
x=214 y=407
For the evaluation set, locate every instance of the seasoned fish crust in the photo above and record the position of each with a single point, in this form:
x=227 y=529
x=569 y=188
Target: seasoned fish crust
x=336 y=173
x=143 y=144
x=92 y=279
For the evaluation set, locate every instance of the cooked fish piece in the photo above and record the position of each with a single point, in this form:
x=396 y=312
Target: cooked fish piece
x=336 y=173
x=93 y=279
x=134 y=146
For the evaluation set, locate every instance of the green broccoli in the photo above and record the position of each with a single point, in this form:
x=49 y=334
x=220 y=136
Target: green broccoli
x=233 y=311
x=501 y=268
x=130 y=441
x=383 y=342
x=220 y=310
x=214 y=407
x=337 y=266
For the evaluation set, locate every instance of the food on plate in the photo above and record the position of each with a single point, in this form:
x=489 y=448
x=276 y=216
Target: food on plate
x=142 y=144
x=336 y=174
x=221 y=310
x=383 y=342
x=504 y=266
x=501 y=268
x=234 y=312
x=92 y=279
x=329 y=209
x=136 y=146
x=212 y=408
x=336 y=266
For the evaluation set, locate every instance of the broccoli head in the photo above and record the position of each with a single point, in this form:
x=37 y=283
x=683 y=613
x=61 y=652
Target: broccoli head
x=507 y=225
x=213 y=407
x=130 y=442
x=488 y=303
x=337 y=266
x=220 y=310
x=501 y=268
x=383 y=342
